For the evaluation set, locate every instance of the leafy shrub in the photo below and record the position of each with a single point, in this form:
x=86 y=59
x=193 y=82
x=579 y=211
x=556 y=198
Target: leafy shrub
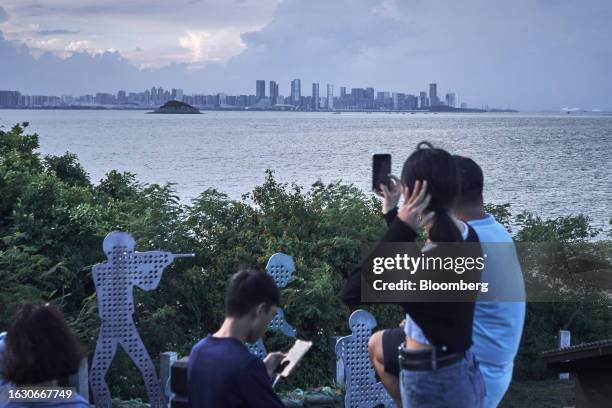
x=53 y=220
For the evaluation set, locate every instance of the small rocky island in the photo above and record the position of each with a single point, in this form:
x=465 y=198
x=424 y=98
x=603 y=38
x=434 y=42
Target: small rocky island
x=176 y=107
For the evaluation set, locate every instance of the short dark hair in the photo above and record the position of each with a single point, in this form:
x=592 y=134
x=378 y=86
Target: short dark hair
x=40 y=346
x=472 y=181
x=248 y=288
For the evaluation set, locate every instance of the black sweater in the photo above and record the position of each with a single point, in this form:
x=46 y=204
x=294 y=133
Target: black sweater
x=447 y=325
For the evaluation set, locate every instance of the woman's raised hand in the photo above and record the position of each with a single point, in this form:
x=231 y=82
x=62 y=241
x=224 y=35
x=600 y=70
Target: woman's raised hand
x=390 y=195
x=412 y=211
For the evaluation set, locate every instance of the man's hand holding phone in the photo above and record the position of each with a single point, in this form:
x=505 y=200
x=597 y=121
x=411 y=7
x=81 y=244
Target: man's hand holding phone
x=273 y=363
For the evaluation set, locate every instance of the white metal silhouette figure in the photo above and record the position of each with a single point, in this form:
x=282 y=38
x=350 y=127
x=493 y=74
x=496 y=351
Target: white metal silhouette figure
x=353 y=366
x=114 y=281
x=280 y=267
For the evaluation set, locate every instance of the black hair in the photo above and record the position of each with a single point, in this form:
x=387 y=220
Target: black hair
x=472 y=181
x=438 y=167
x=40 y=346
x=248 y=288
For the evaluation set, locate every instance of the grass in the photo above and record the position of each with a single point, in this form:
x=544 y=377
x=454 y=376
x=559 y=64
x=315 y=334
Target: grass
x=540 y=394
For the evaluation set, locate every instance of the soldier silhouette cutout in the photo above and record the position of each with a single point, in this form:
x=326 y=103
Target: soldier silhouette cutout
x=114 y=281
x=353 y=366
x=280 y=267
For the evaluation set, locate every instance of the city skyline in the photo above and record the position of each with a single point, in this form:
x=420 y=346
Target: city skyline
x=357 y=99
x=524 y=54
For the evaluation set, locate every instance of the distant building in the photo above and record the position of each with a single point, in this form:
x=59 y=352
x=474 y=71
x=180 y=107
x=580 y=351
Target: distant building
x=396 y=100
x=10 y=99
x=411 y=102
x=273 y=92
x=369 y=94
x=330 y=97
x=260 y=89
x=423 y=100
x=315 y=96
x=105 y=98
x=296 y=92
x=433 y=95
x=451 y=99
x=357 y=99
x=153 y=95
x=85 y=100
x=242 y=100
x=464 y=105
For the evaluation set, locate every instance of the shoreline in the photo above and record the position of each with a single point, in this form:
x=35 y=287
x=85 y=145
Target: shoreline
x=238 y=109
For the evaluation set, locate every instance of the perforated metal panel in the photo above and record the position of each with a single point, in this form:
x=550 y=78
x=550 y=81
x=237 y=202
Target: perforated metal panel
x=280 y=266
x=114 y=281
x=361 y=388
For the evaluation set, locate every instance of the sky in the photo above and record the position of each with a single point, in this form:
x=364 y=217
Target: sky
x=524 y=54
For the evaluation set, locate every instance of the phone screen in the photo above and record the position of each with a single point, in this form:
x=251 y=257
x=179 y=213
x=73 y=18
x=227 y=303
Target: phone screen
x=381 y=168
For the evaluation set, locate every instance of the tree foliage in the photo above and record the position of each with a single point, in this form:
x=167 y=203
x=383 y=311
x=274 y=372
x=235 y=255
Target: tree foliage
x=53 y=220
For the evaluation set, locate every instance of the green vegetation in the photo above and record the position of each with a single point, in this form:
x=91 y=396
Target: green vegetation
x=53 y=220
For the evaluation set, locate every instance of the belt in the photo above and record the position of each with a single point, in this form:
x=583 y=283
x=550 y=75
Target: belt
x=426 y=360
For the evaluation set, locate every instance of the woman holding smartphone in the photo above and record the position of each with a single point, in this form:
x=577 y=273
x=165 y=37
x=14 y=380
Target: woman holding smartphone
x=437 y=368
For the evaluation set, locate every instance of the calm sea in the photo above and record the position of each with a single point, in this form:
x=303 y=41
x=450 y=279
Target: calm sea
x=550 y=164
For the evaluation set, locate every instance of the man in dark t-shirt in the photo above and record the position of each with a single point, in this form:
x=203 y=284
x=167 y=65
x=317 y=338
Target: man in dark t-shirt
x=221 y=371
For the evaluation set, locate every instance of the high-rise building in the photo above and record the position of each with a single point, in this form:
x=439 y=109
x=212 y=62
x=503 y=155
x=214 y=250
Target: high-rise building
x=315 y=96
x=369 y=94
x=273 y=92
x=296 y=92
x=330 y=97
x=153 y=95
x=105 y=98
x=260 y=89
x=411 y=102
x=423 y=103
x=343 y=92
x=9 y=99
x=451 y=99
x=433 y=95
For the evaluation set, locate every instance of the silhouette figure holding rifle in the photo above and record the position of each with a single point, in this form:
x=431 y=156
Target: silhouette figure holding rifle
x=114 y=281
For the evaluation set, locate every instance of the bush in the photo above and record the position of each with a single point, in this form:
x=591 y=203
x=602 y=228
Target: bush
x=53 y=220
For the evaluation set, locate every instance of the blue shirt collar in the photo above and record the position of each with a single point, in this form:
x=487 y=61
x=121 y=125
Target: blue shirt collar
x=483 y=222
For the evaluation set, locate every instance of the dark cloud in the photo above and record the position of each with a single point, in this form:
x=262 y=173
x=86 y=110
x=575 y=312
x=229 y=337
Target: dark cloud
x=4 y=16
x=188 y=13
x=529 y=55
x=521 y=53
x=36 y=10
x=56 y=32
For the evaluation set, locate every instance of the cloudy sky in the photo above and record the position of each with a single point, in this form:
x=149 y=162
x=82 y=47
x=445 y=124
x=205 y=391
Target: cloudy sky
x=527 y=54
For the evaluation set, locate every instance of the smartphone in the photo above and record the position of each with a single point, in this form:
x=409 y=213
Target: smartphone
x=381 y=168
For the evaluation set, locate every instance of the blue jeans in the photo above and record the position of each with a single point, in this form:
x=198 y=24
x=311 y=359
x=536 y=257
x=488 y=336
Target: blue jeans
x=456 y=385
